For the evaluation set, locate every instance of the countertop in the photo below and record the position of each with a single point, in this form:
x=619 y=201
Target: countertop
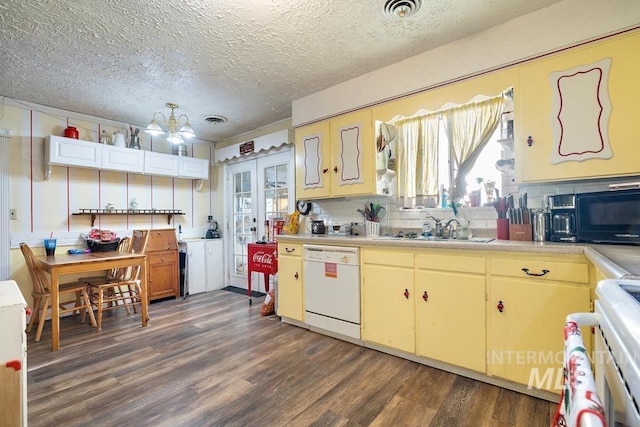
x=614 y=261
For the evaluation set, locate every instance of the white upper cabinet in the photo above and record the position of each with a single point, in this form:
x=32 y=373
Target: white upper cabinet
x=192 y=167
x=160 y=164
x=85 y=154
x=122 y=159
x=72 y=152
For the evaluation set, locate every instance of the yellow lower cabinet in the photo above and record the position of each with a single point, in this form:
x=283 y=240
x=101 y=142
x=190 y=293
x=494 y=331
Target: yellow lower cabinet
x=451 y=325
x=388 y=316
x=526 y=322
x=290 y=290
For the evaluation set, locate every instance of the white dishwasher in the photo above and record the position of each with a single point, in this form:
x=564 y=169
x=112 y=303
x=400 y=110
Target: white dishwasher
x=332 y=289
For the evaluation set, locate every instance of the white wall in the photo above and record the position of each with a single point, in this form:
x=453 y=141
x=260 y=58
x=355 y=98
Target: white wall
x=46 y=206
x=560 y=25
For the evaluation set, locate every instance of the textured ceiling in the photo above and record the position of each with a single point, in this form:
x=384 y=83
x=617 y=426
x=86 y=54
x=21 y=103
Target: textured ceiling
x=246 y=60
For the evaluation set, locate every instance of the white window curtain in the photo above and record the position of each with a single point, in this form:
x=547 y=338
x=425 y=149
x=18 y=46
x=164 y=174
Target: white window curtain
x=417 y=155
x=471 y=126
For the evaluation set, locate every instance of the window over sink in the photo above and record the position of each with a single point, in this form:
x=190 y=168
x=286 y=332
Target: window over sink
x=459 y=150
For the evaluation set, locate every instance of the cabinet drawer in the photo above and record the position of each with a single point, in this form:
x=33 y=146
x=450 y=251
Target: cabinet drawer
x=541 y=270
x=162 y=257
x=386 y=257
x=291 y=249
x=457 y=263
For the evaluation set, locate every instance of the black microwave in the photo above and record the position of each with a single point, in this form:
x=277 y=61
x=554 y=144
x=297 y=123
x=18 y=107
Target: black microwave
x=608 y=217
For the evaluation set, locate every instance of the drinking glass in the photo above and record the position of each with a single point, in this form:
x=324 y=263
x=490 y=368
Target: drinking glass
x=50 y=246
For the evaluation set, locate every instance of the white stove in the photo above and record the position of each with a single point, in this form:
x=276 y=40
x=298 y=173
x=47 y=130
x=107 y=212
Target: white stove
x=617 y=356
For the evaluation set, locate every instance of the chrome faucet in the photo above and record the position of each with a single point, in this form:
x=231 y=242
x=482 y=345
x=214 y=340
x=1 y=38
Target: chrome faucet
x=450 y=230
x=438 y=226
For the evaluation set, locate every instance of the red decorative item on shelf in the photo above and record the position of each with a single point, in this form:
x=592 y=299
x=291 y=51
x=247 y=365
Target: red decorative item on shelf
x=71 y=132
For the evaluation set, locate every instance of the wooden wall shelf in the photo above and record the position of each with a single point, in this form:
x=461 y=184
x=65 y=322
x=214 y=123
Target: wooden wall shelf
x=106 y=212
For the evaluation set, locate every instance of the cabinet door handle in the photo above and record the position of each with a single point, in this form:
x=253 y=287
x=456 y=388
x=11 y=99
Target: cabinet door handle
x=425 y=296
x=335 y=169
x=500 y=306
x=325 y=170
x=289 y=250
x=296 y=275
x=406 y=293
x=526 y=270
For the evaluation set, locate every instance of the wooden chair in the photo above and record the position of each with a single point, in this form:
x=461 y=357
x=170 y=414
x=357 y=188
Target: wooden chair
x=42 y=294
x=114 y=274
x=124 y=291
x=111 y=276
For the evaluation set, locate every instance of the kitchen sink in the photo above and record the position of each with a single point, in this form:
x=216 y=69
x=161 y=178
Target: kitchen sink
x=436 y=239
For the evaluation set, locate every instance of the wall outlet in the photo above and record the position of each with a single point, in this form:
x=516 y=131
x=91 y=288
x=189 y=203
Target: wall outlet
x=13 y=214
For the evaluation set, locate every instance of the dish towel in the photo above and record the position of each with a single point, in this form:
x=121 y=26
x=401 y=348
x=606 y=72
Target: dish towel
x=579 y=404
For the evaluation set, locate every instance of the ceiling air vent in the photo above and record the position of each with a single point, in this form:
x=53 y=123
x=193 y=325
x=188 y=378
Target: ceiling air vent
x=216 y=119
x=400 y=9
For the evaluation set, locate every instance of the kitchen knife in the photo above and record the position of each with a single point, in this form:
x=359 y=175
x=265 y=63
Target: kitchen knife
x=510 y=209
x=525 y=210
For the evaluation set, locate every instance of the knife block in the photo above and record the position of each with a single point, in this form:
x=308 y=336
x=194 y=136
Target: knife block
x=502 y=229
x=522 y=232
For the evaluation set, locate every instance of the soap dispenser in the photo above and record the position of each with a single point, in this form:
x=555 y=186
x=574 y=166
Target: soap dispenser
x=426 y=230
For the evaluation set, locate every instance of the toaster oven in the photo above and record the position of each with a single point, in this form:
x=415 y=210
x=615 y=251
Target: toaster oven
x=340 y=230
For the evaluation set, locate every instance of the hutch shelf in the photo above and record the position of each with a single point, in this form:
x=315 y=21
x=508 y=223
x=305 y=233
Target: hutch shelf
x=105 y=212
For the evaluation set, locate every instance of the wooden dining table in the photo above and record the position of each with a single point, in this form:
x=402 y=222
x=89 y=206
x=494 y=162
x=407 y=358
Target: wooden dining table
x=64 y=264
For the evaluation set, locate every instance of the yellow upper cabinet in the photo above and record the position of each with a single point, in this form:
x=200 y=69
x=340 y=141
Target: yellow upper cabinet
x=567 y=112
x=336 y=157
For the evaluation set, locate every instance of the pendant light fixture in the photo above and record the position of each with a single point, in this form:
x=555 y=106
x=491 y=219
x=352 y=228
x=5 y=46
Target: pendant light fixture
x=175 y=136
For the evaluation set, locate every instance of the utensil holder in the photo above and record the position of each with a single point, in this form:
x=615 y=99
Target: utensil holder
x=135 y=142
x=521 y=232
x=371 y=228
x=502 y=228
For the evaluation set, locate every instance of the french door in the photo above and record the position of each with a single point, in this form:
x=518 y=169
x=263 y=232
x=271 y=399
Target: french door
x=256 y=190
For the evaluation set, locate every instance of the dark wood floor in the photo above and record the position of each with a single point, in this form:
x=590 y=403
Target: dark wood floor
x=212 y=360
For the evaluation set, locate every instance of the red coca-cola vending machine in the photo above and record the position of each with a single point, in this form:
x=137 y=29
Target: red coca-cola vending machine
x=263 y=258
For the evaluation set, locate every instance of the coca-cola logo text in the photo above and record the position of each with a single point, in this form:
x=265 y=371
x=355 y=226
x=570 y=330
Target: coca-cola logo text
x=261 y=257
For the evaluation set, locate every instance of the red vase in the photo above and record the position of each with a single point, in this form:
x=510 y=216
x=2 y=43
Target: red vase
x=71 y=132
